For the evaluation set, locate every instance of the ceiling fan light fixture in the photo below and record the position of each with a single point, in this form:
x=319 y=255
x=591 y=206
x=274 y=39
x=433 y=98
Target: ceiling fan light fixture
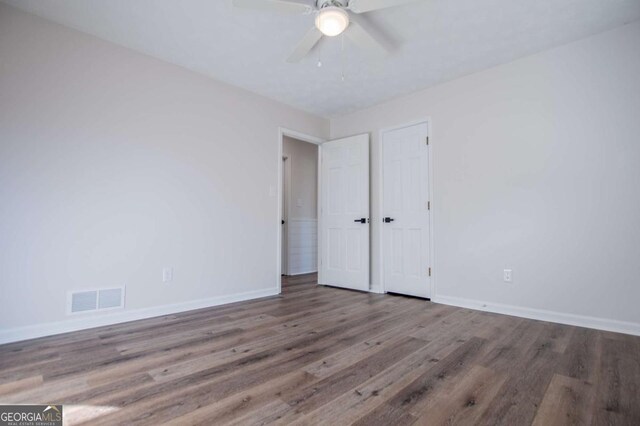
x=332 y=21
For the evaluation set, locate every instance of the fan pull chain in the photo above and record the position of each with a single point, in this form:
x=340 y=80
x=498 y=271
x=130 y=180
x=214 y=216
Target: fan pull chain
x=342 y=55
x=319 y=55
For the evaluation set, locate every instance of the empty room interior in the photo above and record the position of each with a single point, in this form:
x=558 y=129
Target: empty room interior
x=320 y=212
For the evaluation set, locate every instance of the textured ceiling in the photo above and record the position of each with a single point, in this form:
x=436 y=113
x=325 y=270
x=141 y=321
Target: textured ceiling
x=435 y=41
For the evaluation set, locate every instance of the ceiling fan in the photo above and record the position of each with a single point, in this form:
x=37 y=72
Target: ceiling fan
x=333 y=17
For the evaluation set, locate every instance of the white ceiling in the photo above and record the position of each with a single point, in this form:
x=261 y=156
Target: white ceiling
x=436 y=41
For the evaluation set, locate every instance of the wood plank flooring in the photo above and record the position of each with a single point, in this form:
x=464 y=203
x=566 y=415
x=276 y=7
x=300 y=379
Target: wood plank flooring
x=321 y=355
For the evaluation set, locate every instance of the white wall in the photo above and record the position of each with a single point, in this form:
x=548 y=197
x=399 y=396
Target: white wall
x=536 y=168
x=114 y=165
x=303 y=206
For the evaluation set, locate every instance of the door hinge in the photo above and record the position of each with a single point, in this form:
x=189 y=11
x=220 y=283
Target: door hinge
x=427 y=140
x=429 y=271
x=428 y=205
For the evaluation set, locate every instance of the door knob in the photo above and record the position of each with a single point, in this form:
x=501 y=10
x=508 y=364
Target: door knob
x=387 y=220
x=361 y=220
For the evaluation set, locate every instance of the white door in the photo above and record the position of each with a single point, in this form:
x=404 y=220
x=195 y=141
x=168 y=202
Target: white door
x=405 y=211
x=344 y=213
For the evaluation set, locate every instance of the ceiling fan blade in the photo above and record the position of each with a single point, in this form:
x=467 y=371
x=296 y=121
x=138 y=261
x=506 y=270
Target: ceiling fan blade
x=362 y=6
x=306 y=44
x=282 y=6
x=367 y=39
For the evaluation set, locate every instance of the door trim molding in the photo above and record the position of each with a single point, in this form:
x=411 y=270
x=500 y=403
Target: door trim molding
x=282 y=132
x=286 y=179
x=380 y=174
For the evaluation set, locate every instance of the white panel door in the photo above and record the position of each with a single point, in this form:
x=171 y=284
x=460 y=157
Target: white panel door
x=344 y=213
x=405 y=210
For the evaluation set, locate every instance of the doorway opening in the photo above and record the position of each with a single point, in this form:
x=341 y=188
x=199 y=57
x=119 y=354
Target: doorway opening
x=298 y=205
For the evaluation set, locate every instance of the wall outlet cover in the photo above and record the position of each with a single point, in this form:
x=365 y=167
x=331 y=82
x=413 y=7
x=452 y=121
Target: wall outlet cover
x=167 y=274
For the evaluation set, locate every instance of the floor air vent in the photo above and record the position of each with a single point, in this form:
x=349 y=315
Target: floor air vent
x=84 y=301
x=96 y=300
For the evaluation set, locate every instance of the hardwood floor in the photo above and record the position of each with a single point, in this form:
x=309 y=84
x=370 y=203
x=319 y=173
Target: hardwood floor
x=320 y=355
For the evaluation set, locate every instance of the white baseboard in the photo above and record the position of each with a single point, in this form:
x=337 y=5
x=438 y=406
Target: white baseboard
x=543 y=315
x=99 y=320
x=376 y=289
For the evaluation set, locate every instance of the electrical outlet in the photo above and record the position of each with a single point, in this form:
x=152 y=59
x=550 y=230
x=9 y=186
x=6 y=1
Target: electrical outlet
x=508 y=275
x=167 y=274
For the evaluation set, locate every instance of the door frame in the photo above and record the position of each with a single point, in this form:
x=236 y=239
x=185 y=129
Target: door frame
x=427 y=121
x=284 y=229
x=282 y=132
